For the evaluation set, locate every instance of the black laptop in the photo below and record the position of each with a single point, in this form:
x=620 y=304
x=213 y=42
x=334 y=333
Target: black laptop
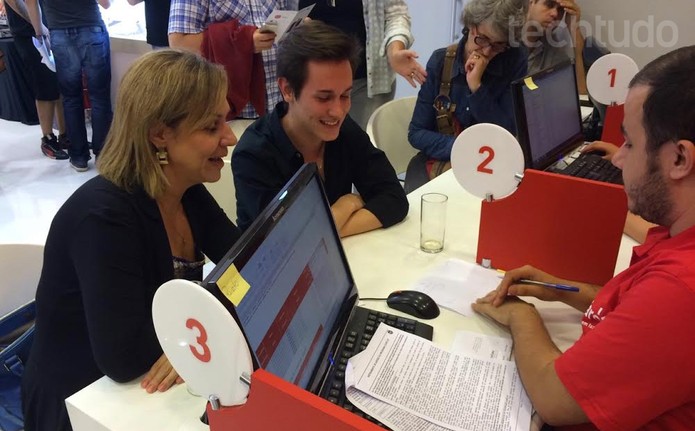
x=299 y=314
x=549 y=126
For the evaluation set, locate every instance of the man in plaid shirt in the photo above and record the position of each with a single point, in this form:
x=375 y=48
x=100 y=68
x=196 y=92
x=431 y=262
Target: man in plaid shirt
x=189 y=18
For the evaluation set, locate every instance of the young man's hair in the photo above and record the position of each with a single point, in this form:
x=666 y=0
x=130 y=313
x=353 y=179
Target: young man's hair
x=668 y=113
x=313 y=41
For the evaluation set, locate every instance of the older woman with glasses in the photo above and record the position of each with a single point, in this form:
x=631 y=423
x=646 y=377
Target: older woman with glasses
x=472 y=86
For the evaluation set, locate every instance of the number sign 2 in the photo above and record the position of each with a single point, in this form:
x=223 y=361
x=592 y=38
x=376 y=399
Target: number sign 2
x=490 y=155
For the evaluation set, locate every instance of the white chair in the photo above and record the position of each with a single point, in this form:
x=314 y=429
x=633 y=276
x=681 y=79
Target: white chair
x=388 y=130
x=20 y=269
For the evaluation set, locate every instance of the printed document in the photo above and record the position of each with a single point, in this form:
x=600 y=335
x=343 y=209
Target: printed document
x=482 y=346
x=410 y=384
x=286 y=20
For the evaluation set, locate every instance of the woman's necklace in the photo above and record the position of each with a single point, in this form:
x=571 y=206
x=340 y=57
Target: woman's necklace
x=171 y=220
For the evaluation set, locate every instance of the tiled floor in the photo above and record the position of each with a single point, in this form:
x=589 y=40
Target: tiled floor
x=32 y=186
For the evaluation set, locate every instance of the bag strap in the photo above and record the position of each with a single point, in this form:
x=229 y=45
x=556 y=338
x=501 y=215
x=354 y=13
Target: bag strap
x=17 y=318
x=442 y=103
x=12 y=357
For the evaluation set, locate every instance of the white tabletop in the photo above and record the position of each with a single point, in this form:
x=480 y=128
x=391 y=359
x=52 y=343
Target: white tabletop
x=381 y=261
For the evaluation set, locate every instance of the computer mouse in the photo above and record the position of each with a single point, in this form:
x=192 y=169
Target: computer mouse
x=414 y=303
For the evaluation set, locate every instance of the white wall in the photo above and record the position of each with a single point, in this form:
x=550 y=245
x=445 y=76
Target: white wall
x=434 y=25
x=652 y=27
x=640 y=29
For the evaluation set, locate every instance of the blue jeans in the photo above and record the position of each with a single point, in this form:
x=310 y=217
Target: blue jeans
x=77 y=50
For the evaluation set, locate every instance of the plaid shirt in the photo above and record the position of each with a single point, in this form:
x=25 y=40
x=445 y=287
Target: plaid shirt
x=193 y=16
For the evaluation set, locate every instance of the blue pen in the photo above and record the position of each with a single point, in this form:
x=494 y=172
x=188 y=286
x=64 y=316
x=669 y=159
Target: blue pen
x=551 y=285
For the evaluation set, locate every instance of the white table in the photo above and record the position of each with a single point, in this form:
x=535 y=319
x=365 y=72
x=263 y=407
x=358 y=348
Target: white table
x=381 y=261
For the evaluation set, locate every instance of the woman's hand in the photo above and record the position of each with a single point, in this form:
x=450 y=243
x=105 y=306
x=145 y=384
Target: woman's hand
x=404 y=62
x=475 y=67
x=161 y=376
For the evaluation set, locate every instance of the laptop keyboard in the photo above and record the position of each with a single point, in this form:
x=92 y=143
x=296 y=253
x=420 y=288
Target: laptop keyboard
x=359 y=331
x=593 y=167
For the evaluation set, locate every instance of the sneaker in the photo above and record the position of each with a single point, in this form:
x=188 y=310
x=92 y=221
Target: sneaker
x=64 y=141
x=80 y=165
x=51 y=149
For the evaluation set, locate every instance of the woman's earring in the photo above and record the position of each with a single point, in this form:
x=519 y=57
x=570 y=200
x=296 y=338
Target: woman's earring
x=163 y=157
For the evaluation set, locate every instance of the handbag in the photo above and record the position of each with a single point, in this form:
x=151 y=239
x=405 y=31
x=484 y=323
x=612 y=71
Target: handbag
x=422 y=168
x=16 y=335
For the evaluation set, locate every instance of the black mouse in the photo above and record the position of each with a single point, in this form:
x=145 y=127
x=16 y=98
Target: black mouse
x=414 y=303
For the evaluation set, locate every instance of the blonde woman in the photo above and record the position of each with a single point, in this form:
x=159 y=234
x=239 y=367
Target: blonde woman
x=144 y=220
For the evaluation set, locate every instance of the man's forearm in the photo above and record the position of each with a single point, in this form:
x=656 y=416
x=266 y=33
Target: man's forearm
x=20 y=7
x=360 y=221
x=35 y=15
x=581 y=300
x=190 y=42
x=535 y=355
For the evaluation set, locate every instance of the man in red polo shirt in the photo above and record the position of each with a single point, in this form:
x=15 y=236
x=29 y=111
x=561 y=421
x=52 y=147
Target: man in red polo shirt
x=631 y=368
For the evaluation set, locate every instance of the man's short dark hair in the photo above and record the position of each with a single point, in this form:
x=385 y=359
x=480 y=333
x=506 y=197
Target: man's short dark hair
x=668 y=114
x=313 y=41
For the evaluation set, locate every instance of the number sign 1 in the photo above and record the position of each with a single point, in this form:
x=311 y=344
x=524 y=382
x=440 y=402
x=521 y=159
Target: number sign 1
x=609 y=77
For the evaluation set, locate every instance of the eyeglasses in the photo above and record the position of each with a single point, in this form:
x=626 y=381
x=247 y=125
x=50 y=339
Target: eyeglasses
x=552 y=4
x=484 y=42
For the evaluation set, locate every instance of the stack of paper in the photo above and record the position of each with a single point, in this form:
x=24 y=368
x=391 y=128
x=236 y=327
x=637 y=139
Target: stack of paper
x=410 y=384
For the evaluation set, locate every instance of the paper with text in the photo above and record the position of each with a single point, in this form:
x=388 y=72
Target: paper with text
x=482 y=346
x=456 y=284
x=286 y=20
x=444 y=390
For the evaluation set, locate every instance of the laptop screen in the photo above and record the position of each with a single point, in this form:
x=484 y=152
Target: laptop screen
x=299 y=284
x=547 y=114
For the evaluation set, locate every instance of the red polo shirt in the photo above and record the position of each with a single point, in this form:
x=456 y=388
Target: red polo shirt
x=631 y=368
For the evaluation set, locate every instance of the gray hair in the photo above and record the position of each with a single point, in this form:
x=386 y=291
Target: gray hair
x=507 y=17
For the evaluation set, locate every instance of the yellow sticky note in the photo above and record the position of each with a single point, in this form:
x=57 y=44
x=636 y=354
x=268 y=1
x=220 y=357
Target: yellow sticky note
x=233 y=285
x=530 y=84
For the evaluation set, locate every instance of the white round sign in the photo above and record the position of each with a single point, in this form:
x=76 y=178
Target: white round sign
x=202 y=341
x=485 y=159
x=609 y=77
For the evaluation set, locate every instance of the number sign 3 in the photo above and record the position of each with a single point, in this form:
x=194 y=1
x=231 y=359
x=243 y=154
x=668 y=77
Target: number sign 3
x=202 y=341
